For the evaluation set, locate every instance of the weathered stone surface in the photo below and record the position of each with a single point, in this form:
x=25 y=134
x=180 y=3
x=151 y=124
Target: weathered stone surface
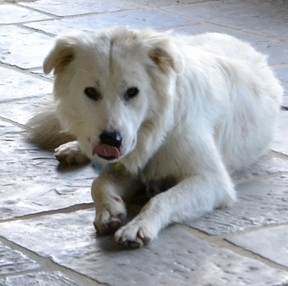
x=273 y=48
x=134 y=18
x=39 y=71
x=163 y=3
x=23 y=48
x=23 y=109
x=176 y=258
x=280 y=143
x=269 y=242
x=63 y=8
x=15 y=84
x=12 y=261
x=39 y=279
x=263 y=200
x=15 y=14
x=247 y=15
x=31 y=180
x=282 y=74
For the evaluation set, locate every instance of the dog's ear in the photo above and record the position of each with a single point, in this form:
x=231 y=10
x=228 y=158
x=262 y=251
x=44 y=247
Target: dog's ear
x=164 y=55
x=61 y=54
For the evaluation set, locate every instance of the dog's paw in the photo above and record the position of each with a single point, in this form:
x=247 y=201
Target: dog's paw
x=110 y=217
x=70 y=154
x=135 y=234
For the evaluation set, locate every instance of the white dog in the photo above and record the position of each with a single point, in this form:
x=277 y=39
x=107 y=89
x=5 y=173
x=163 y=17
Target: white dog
x=179 y=113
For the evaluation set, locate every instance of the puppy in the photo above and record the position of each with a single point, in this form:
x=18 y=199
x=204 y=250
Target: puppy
x=178 y=112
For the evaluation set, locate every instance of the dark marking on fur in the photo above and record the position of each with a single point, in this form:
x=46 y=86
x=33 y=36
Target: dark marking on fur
x=155 y=187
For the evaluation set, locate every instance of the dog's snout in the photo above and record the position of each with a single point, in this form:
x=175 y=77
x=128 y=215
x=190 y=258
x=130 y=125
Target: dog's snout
x=113 y=138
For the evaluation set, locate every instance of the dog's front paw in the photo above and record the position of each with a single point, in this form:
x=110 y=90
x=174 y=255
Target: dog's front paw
x=136 y=234
x=70 y=154
x=110 y=217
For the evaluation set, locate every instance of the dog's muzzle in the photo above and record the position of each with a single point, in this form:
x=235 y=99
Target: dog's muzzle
x=109 y=146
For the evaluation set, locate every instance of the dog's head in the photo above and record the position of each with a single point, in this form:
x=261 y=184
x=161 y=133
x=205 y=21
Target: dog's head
x=108 y=85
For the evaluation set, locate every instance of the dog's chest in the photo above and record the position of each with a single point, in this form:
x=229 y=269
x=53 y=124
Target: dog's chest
x=154 y=187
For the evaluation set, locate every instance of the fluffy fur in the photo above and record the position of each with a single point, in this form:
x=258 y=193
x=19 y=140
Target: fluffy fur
x=207 y=107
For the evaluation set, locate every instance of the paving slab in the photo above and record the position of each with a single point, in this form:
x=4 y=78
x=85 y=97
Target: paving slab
x=65 y=8
x=280 y=143
x=31 y=180
x=269 y=242
x=275 y=49
x=262 y=200
x=22 y=47
x=69 y=239
x=12 y=261
x=282 y=74
x=39 y=71
x=22 y=110
x=14 y=14
x=143 y=18
x=246 y=15
x=18 y=85
x=165 y=3
x=39 y=279
x=36 y=183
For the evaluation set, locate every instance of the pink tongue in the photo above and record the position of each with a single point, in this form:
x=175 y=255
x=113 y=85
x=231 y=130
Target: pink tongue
x=106 y=151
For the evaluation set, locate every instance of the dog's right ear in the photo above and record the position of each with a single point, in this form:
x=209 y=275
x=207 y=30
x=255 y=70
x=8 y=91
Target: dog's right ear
x=61 y=54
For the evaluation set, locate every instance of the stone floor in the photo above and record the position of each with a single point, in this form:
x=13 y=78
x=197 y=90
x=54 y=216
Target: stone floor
x=46 y=232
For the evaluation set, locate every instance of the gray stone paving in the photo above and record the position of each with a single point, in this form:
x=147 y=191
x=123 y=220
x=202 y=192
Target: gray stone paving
x=39 y=279
x=12 y=261
x=46 y=214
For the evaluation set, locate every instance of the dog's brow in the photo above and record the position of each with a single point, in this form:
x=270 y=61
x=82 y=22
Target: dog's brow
x=111 y=57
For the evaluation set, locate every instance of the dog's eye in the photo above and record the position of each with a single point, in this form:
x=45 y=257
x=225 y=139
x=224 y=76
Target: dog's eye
x=131 y=92
x=92 y=93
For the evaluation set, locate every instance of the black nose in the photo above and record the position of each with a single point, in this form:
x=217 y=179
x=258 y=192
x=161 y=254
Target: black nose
x=113 y=138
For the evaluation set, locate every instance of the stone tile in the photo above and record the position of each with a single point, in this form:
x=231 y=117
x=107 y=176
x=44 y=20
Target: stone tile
x=36 y=183
x=15 y=85
x=285 y=100
x=22 y=47
x=7 y=127
x=14 y=14
x=282 y=74
x=262 y=200
x=268 y=242
x=31 y=180
x=276 y=50
x=134 y=18
x=39 y=279
x=256 y=19
x=247 y=15
x=23 y=109
x=165 y=3
x=280 y=143
x=39 y=71
x=69 y=239
x=64 y=8
x=12 y=261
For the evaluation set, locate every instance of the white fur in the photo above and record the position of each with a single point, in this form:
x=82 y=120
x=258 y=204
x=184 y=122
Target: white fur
x=207 y=107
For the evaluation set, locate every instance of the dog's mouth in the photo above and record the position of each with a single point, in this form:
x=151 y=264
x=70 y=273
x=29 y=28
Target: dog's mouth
x=107 y=152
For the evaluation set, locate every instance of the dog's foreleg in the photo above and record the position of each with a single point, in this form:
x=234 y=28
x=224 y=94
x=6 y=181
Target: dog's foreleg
x=108 y=192
x=70 y=154
x=209 y=186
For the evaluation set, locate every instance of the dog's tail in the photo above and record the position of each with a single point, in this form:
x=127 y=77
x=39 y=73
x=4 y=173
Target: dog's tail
x=45 y=131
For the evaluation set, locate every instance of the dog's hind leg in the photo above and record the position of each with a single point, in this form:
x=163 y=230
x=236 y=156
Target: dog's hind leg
x=209 y=186
x=45 y=131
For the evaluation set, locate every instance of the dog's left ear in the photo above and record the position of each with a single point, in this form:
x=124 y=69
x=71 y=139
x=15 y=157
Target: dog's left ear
x=61 y=54
x=164 y=55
